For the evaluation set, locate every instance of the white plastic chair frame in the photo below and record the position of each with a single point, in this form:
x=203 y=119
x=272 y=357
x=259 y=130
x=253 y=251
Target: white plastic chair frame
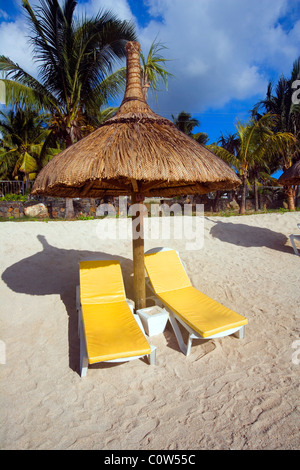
x=84 y=363
x=175 y=319
x=292 y=239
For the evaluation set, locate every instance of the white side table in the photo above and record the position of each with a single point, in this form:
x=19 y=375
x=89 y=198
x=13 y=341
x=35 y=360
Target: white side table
x=154 y=319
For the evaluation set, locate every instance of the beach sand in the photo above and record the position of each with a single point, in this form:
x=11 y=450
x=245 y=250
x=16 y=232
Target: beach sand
x=228 y=394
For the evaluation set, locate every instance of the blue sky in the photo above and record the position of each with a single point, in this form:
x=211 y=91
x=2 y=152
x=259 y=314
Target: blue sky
x=222 y=53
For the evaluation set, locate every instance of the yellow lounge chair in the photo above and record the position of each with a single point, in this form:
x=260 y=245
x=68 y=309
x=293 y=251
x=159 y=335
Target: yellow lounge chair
x=108 y=329
x=200 y=315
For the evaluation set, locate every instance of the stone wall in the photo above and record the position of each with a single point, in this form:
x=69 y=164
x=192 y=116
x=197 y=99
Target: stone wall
x=55 y=208
x=11 y=209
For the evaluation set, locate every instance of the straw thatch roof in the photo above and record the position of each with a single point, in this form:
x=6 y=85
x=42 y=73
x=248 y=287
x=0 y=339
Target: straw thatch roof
x=135 y=151
x=291 y=176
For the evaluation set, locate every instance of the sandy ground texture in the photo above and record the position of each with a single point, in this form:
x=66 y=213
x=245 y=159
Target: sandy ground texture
x=228 y=394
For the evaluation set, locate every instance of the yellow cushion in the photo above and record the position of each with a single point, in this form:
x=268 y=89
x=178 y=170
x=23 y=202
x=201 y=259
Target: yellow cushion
x=203 y=314
x=101 y=281
x=111 y=332
x=166 y=271
x=172 y=285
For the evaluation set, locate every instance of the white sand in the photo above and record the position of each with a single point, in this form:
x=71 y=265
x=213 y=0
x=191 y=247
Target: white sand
x=228 y=394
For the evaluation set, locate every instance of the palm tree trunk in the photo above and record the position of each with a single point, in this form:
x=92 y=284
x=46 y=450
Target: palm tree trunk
x=70 y=212
x=297 y=196
x=216 y=201
x=256 y=206
x=145 y=89
x=290 y=194
x=26 y=181
x=244 y=191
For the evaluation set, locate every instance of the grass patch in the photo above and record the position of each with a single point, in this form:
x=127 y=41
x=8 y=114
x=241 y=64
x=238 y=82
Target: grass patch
x=14 y=197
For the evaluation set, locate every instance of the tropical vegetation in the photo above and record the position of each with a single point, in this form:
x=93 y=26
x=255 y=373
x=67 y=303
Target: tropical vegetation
x=23 y=151
x=153 y=69
x=279 y=103
x=256 y=143
x=186 y=123
x=75 y=58
x=78 y=79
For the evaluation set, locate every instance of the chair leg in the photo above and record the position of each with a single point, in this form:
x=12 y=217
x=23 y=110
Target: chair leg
x=84 y=363
x=79 y=322
x=188 y=346
x=152 y=356
x=184 y=348
x=240 y=333
x=292 y=238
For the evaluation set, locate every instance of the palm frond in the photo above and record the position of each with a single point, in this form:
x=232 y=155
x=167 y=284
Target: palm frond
x=23 y=96
x=152 y=68
x=108 y=89
x=8 y=160
x=201 y=137
x=22 y=88
x=185 y=123
x=98 y=118
x=267 y=178
x=226 y=156
x=26 y=163
x=75 y=58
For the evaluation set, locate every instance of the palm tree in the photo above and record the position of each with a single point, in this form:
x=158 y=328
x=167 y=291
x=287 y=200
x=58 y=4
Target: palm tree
x=152 y=69
x=279 y=103
x=231 y=143
x=75 y=66
x=185 y=123
x=201 y=137
x=23 y=149
x=258 y=142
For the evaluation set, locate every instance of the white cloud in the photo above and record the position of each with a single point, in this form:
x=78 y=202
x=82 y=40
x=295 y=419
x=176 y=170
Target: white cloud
x=92 y=8
x=14 y=41
x=14 y=44
x=220 y=49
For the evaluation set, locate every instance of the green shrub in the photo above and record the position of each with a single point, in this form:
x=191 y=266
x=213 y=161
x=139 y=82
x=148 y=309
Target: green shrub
x=14 y=197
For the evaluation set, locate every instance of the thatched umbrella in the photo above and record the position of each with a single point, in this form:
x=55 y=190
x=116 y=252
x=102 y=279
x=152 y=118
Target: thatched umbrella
x=137 y=153
x=291 y=176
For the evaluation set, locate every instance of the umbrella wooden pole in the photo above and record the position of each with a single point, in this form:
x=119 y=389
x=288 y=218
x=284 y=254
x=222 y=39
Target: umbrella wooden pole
x=138 y=254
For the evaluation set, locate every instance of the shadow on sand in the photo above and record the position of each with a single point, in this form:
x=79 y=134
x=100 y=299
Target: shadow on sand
x=56 y=271
x=247 y=236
